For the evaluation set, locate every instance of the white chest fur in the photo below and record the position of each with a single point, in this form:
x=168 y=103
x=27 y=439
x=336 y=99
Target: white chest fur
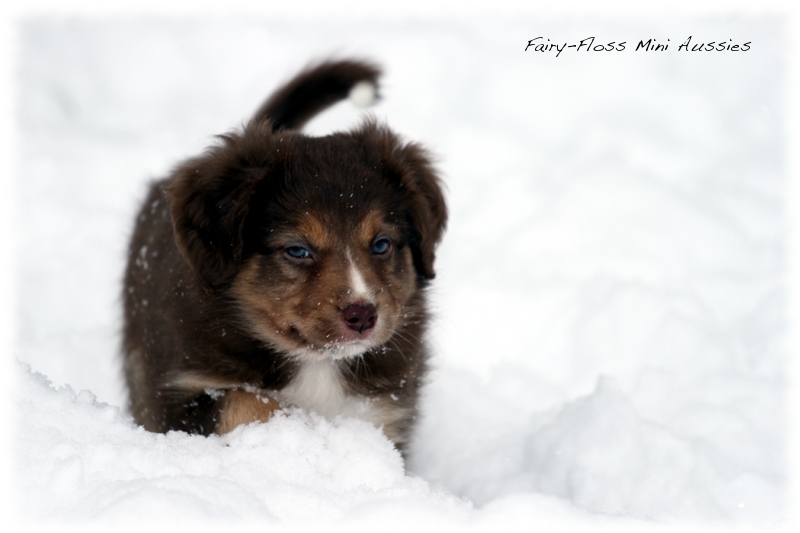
x=318 y=386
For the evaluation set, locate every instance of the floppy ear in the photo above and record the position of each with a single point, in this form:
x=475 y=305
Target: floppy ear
x=210 y=198
x=428 y=209
x=411 y=164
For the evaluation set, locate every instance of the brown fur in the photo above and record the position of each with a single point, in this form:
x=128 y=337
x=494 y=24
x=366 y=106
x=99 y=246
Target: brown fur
x=218 y=311
x=240 y=407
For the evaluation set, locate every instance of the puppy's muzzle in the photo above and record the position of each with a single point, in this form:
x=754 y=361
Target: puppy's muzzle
x=360 y=317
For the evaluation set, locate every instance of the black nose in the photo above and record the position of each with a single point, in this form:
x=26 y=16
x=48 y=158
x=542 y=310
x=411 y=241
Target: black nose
x=360 y=317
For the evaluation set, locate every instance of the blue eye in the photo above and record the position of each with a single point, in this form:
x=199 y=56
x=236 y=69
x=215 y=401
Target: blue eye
x=381 y=246
x=297 y=252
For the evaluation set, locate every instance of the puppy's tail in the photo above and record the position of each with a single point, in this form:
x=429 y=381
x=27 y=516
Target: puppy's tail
x=317 y=88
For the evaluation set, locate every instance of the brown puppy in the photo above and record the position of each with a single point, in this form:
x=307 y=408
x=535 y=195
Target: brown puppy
x=278 y=269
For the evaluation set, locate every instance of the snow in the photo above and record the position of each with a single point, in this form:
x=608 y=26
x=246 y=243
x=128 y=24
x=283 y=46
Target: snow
x=610 y=301
x=95 y=463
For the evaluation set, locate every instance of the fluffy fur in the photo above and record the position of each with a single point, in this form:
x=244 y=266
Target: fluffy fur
x=279 y=269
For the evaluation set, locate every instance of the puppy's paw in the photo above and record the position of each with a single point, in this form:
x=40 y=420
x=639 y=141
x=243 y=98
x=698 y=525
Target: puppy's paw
x=241 y=407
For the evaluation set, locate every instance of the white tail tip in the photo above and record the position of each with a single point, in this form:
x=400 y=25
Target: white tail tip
x=363 y=93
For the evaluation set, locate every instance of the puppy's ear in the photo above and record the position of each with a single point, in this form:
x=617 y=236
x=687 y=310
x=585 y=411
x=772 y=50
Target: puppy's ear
x=411 y=164
x=210 y=198
x=428 y=209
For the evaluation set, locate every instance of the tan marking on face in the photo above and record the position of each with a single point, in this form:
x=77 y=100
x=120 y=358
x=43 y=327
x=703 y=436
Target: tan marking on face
x=314 y=231
x=269 y=308
x=369 y=227
x=241 y=407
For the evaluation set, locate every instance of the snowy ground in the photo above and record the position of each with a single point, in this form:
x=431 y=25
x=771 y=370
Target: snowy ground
x=611 y=304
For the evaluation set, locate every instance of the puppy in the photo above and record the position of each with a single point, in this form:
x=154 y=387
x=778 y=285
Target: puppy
x=277 y=269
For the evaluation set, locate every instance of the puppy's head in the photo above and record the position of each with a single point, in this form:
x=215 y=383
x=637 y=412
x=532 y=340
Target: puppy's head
x=323 y=243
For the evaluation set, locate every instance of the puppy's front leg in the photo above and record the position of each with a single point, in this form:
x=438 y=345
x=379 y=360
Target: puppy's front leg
x=240 y=407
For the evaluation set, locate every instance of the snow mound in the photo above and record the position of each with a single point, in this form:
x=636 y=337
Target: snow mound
x=580 y=452
x=490 y=440
x=82 y=458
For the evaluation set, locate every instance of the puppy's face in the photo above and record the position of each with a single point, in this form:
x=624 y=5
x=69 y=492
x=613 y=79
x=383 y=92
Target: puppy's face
x=328 y=284
x=325 y=249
